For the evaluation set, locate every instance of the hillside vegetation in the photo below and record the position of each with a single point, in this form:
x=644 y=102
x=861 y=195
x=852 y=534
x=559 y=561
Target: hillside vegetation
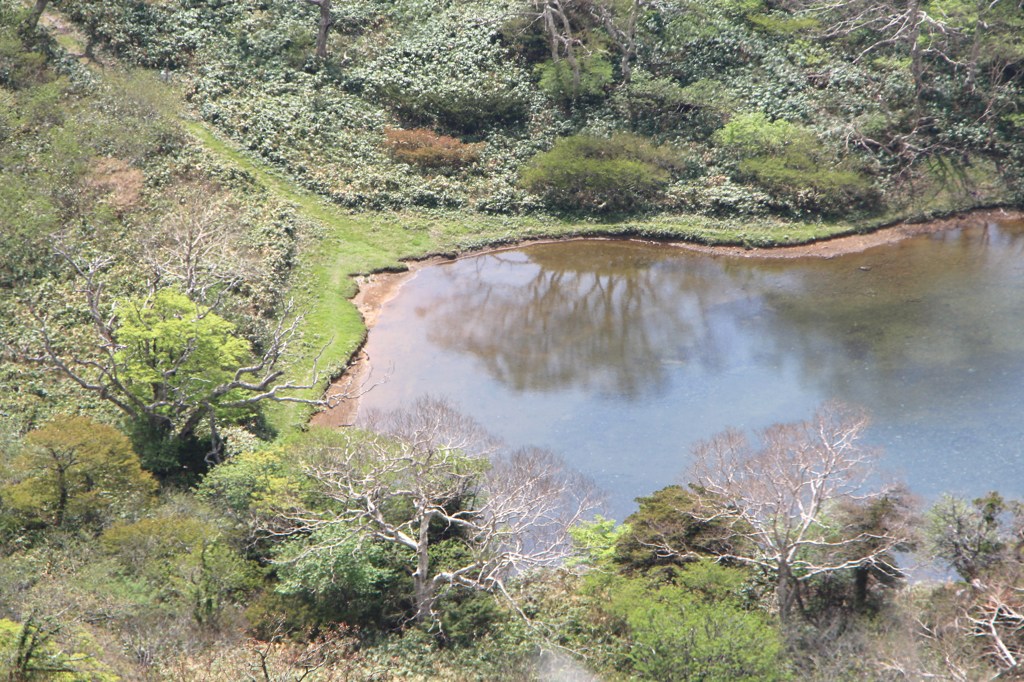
x=187 y=188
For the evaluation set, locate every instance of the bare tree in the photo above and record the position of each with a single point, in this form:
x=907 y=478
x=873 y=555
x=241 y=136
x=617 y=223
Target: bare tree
x=777 y=498
x=198 y=247
x=511 y=511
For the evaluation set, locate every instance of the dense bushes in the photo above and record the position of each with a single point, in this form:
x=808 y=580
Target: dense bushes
x=789 y=162
x=594 y=174
x=451 y=72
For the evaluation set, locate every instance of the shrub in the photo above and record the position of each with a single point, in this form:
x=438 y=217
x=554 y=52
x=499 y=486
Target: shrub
x=750 y=135
x=803 y=182
x=656 y=104
x=789 y=162
x=594 y=174
x=426 y=149
x=696 y=628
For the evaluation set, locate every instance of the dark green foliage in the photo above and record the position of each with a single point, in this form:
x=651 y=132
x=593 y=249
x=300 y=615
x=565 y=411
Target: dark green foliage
x=599 y=175
x=801 y=181
x=974 y=538
x=662 y=522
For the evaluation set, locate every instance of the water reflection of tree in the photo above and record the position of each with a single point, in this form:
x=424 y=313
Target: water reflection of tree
x=602 y=317
x=900 y=327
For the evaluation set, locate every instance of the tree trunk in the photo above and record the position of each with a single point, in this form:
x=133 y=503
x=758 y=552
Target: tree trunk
x=423 y=585
x=62 y=496
x=325 y=26
x=914 y=44
x=784 y=591
x=861 y=575
x=32 y=21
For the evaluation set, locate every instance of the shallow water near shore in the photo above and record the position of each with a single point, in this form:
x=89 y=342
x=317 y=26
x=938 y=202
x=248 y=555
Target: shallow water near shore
x=621 y=355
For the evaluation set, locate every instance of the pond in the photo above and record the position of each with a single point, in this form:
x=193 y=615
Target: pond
x=621 y=355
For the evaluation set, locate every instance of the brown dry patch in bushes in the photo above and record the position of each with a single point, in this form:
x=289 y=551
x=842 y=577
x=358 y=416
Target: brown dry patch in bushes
x=119 y=180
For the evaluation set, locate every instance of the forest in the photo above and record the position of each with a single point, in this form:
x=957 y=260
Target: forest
x=191 y=192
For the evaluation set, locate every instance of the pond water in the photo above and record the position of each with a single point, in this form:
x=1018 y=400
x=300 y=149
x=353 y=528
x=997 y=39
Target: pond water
x=620 y=355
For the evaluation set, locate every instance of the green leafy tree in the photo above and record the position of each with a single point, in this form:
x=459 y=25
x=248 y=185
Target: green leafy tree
x=170 y=364
x=667 y=530
x=74 y=471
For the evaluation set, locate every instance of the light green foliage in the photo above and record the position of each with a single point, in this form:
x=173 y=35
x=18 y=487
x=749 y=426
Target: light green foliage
x=250 y=481
x=595 y=541
x=787 y=160
x=74 y=472
x=28 y=653
x=750 y=135
x=697 y=628
x=172 y=349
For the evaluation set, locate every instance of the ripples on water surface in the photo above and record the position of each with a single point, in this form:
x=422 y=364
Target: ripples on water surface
x=620 y=355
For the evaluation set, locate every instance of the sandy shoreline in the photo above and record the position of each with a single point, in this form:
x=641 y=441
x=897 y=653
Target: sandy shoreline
x=376 y=290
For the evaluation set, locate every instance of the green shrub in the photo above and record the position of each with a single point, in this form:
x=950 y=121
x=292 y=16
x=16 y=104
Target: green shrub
x=697 y=628
x=594 y=174
x=788 y=161
x=806 y=183
x=19 y=67
x=654 y=104
x=426 y=149
x=748 y=135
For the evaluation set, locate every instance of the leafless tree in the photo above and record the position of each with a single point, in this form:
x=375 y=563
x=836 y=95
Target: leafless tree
x=198 y=247
x=511 y=510
x=777 y=498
